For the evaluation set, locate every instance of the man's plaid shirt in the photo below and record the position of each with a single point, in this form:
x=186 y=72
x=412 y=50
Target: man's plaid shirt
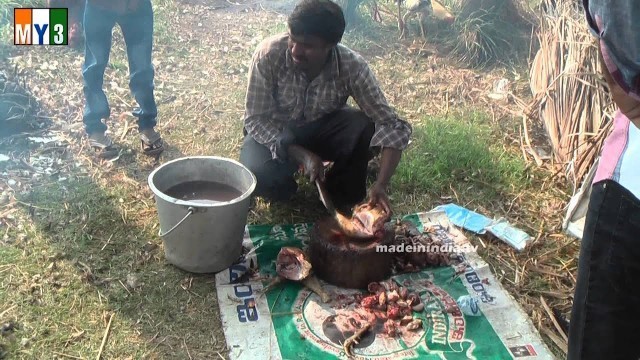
x=278 y=95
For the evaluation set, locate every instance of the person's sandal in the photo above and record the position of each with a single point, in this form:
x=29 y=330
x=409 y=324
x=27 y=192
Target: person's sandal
x=102 y=145
x=152 y=144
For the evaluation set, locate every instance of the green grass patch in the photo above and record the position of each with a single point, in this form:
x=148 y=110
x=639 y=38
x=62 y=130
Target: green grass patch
x=8 y=255
x=275 y=28
x=88 y=251
x=165 y=30
x=455 y=150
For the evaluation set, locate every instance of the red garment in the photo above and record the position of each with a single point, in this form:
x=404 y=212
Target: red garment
x=76 y=12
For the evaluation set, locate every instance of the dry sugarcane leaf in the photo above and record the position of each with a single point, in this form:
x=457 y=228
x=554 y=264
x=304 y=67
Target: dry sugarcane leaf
x=570 y=99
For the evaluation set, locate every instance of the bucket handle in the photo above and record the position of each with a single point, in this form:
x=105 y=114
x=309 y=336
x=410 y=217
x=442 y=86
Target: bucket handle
x=190 y=211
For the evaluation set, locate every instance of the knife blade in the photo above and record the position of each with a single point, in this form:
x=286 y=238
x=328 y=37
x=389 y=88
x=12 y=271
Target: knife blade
x=324 y=197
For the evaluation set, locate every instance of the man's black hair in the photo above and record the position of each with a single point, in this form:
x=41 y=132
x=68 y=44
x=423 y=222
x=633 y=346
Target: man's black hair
x=321 y=18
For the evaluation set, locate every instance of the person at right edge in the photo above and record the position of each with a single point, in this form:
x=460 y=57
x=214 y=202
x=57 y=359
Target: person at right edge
x=605 y=319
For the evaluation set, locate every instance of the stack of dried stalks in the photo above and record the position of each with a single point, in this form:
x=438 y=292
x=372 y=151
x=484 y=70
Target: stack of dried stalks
x=18 y=108
x=487 y=32
x=570 y=97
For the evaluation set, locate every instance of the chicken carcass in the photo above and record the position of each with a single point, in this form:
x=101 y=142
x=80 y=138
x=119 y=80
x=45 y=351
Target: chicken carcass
x=366 y=222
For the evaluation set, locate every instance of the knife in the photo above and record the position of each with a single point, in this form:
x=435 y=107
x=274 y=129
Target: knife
x=324 y=197
x=343 y=222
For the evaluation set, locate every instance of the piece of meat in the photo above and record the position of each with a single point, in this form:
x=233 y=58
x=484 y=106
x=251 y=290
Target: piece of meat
x=375 y=287
x=357 y=297
x=413 y=299
x=393 y=296
x=365 y=222
x=350 y=228
x=394 y=312
x=390 y=328
x=408 y=234
x=341 y=301
x=406 y=311
x=403 y=292
x=370 y=218
x=382 y=298
x=275 y=282
x=405 y=320
x=379 y=315
x=390 y=285
x=415 y=324
x=406 y=229
x=369 y=302
x=292 y=264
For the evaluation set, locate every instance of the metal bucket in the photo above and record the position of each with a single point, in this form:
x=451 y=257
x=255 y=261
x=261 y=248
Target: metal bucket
x=202 y=238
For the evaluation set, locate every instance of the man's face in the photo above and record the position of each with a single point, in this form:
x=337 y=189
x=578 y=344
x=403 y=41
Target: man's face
x=308 y=52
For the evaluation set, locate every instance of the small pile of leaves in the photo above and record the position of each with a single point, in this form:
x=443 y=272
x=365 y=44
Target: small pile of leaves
x=486 y=31
x=18 y=108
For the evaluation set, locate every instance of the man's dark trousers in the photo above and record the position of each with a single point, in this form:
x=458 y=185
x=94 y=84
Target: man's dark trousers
x=342 y=137
x=605 y=318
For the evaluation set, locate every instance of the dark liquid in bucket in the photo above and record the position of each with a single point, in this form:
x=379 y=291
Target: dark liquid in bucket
x=204 y=192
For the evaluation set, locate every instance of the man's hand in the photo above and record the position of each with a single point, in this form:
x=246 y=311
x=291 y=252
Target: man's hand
x=388 y=163
x=311 y=162
x=378 y=195
x=628 y=105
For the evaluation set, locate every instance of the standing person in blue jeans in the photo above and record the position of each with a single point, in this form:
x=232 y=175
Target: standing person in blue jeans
x=135 y=18
x=605 y=319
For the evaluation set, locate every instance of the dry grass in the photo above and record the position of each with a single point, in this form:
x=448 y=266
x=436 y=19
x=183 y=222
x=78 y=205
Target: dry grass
x=485 y=33
x=95 y=221
x=570 y=97
x=19 y=111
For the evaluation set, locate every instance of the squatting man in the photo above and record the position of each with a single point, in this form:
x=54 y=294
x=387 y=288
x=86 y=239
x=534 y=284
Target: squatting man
x=296 y=113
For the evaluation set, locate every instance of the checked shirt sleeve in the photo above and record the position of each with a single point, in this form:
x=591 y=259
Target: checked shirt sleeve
x=391 y=131
x=260 y=104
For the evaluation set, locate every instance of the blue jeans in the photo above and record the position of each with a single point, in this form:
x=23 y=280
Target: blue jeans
x=137 y=28
x=605 y=319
